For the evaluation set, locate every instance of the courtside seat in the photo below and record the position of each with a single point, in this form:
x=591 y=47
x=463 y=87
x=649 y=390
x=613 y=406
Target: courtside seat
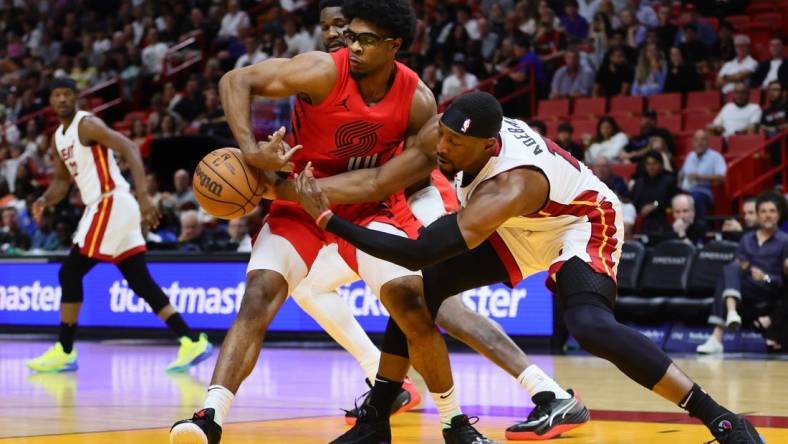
x=706 y=269
x=629 y=304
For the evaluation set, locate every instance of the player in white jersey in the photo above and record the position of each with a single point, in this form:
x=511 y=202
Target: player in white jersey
x=527 y=206
x=110 y=228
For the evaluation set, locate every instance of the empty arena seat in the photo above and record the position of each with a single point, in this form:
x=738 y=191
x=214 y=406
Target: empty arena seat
x=739 y=145
x=590 y=106
x=629 y=305
x=626 y=105
x=665 y=102
x=706 y=269
x=553 y=108
x=671 y=122
x=703 y=100
x=697 y=120
x=667 y=268
x=633 y=254
x=629 y=125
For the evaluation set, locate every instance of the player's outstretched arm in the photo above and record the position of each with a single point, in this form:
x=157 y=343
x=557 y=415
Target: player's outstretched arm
x=518 y=192
x=311 y=75
x=58 y=187
x=93 y=130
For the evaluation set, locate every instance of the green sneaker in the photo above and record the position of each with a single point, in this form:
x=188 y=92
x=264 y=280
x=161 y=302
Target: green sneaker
x=191 y=353
x=55 y=360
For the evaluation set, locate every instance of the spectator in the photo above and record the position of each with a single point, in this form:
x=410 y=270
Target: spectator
x=660 y=146
x=298 y=41
x=470 y=24
x=773 y=69
x=702 y=169
x=614 y=77
x=652 y=194
x=489 y=39
x=638 y=146
x=666 y=31
x=739 y=116
x=650 y=72
x=538 y=126
x=635 y=33
x=140 y=136
x=738 y=69
x=192 y=103
x=608 y=142
x=153 y=53
x=575 y=25
x=460 y=79
x=774 y=117
x=601 y=30
x=12 y=237
x=233 y=21
x=430 y=78
x=194 y=236
x=184 y=197
x=152 y=187
x=723 y=48
x=253 y=54
x=573 y=79
x=168 y=128
x=45 y=238
x=705 y=32
x=693 y=50
x=618 y=38
x=686 y=226
x=645 y=13
x=603 y=172
x=753 y=283
x=564 y=140
x=681 y=77
x=732 y=229
x=549 y=42
x=239 y=235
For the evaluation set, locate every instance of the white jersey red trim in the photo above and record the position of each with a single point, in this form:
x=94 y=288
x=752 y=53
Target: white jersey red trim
x=582 y=216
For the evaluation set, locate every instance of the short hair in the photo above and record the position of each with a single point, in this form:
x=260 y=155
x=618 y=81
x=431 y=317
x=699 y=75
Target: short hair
x=653 y=155
x=688 y=197
x=750 y=199
x=775 y=198
x=565 y=127
x=397 y=17
x=330 y=4
x=538 y=125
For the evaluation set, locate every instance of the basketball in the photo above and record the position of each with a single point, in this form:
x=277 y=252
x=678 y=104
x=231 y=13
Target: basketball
x=225 y=186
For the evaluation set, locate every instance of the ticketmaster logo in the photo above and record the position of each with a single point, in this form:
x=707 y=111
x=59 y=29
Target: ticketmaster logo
x=35 y=297
x=201 y=300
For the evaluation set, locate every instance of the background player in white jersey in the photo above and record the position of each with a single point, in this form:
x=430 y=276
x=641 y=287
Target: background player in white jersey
x=527 y=206
x=110 y=228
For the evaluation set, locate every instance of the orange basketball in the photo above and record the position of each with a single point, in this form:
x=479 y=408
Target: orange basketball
x=225 y=186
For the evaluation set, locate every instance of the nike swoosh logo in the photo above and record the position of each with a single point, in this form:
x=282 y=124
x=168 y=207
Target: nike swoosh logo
x=684 y=404
x=448 y=394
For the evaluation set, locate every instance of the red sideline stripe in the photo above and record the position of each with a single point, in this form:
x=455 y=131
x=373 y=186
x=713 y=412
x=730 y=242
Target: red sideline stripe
x=508 y=260
x=129 y=253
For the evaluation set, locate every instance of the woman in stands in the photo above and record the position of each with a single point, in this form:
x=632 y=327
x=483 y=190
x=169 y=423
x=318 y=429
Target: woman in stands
x=608 y=141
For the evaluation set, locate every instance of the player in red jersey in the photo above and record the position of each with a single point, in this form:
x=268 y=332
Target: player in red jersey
x=354 y=109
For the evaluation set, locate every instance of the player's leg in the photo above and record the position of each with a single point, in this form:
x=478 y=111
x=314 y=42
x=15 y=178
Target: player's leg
x=401 y=292
x=317 y=296
x=275 y=268
x=194 y=347
x=586 y=299
x=62 y=356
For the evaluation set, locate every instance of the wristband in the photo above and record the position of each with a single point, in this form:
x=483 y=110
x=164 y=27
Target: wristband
x=322 y=216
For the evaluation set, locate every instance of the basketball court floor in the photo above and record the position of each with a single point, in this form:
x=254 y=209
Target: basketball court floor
x=122 y=395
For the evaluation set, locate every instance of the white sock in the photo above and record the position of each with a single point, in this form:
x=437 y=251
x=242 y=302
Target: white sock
x=448 y=405
x=219 y=399
x=535 y=380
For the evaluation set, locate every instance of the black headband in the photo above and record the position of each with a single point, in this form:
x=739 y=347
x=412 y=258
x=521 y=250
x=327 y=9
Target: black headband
x=63 y=82
x=458 y=121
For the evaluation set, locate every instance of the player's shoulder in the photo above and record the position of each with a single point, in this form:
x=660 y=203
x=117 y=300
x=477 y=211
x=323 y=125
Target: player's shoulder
x=423 y=96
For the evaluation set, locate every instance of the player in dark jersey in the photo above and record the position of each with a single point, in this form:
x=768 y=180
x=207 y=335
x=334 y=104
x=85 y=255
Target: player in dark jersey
x=354 y=109
x=515 y=183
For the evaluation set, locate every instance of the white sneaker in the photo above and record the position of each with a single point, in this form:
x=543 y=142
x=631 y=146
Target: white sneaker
x=711 y=347
x=733 y=321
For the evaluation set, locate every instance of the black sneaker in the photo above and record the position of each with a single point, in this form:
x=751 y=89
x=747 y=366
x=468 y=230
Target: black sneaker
x=735 y=429
x=550 y=418
x=408 y=398
x=370 y=428
x=462 y=432
x=201 y=429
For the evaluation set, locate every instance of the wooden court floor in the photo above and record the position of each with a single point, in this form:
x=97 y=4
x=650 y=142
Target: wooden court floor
x=122 y=395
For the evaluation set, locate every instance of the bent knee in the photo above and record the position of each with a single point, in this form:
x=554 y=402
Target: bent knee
x=265 y=290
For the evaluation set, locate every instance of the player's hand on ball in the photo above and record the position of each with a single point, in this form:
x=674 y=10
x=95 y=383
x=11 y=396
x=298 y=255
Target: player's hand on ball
x=309 y=193
x=150 y=213
x=275 y=154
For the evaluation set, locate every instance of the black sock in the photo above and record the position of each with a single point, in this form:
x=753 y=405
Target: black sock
x=66 y=336
x=700 y=405
x=383 y=394
x=178 y=325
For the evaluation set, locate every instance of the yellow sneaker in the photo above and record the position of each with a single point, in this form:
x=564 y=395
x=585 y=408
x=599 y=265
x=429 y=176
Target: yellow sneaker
x=55 y=360
x=191 y=353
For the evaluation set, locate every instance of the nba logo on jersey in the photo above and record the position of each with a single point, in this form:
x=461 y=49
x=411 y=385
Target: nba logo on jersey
x=466 y=125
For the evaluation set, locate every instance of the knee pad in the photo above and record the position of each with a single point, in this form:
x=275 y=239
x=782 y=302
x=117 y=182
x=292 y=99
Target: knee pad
x=70 y=278
x=577 y=278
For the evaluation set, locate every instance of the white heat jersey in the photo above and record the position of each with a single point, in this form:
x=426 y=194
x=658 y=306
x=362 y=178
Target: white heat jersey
x=581 y=218
x=93 y=167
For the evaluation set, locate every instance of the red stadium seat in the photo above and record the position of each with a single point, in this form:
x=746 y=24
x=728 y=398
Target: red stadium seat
x=583 y=126
x=625 y=170
x=590 y=106
x=629 y=125
x=738 y=145
x=553 y=108
x=703 y=100
x=716 y=143
x=773 y=20
x=739 y=22
x=671 y=122
x=697 y=120
x=626 y=105
x=665 y=102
